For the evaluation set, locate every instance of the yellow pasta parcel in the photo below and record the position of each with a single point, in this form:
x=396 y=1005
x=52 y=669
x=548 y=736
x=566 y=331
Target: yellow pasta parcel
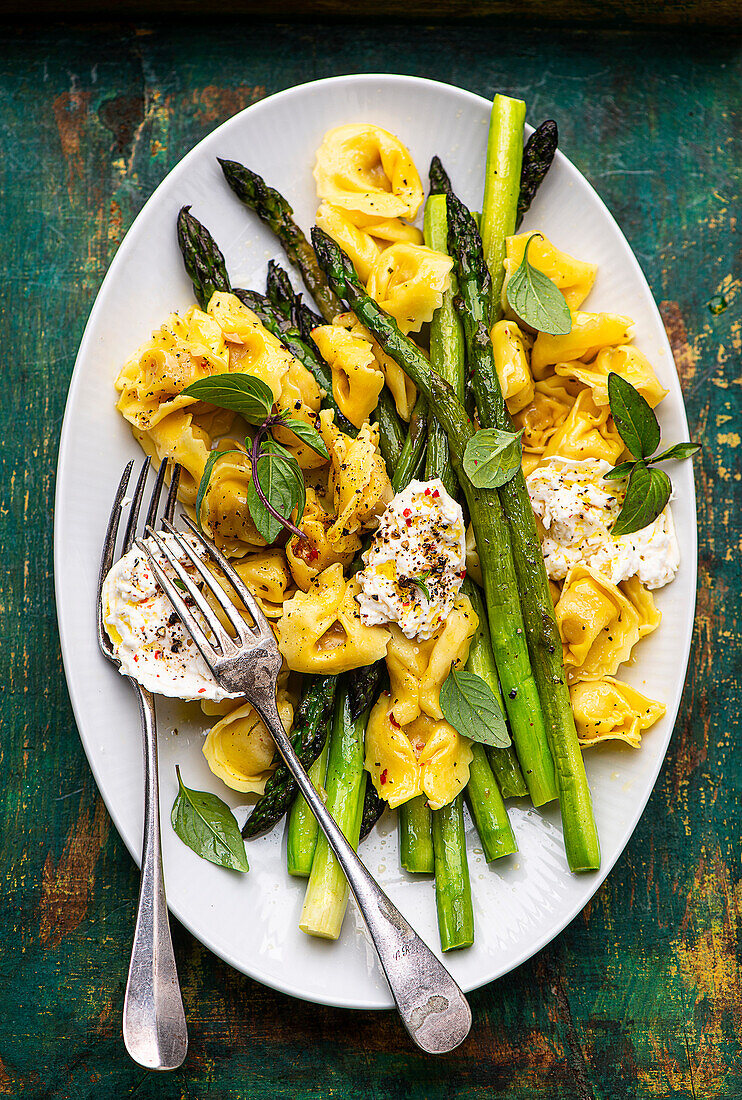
x=183 y=350
x=308 y=557
x=266 y=574
x=627 y=361
x=598 y=625
x=588 y=431
x=359 y=245
x=252 y=349
x=402 y=388
x=225 y=515
x=642 y=600
x=321 y=630
x=511 y=364
x=179 y=439
x=552 y=399
x=427 y=757
x=365 y=168
x=418 y=669
x=360 y=484
x=574 y=278
x=408 y=281
x=239 y=749
x=357 y=379
x=608 y=709
x=590 y=332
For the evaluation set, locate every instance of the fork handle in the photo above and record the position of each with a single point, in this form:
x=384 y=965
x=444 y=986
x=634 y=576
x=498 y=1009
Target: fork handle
x=433 y=1008
x=155 y=1033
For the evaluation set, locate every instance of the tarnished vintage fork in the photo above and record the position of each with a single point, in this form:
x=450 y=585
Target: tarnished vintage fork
x=154 y=1024
x=433 y=1008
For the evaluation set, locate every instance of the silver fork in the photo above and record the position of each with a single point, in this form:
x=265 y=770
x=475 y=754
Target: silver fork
x=433 y=1008
x=154 y=1024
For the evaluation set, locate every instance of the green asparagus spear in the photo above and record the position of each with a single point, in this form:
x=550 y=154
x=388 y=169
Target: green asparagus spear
x=537 y=157
x=308 y=736
x=202 y=257
x=413 y=451
x=327 y=890
x=487 y=808
x=373 y=808
x=415 y=837
x=303 y=830
x=289 y=303
x=481 y=661
x=446 y=336
x=501 y=186
x=452 y=887
x=391 y=434
x=544 y=642
x=506 y=621
x=273 y=209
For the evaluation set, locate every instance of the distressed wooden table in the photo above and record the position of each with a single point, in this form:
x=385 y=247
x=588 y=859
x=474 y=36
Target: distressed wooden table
x=640 y=996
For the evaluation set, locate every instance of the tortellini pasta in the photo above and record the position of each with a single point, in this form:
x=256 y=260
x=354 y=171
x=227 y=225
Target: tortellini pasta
x=321 y=630
x=408 y=281
x=240 y=750
x=511 y=364
x=587 y=432
x=360 y=484
x=547 y=411
x=608 y=709
x=402 y=388
x=573 y=277
x=590 y=332
x=598 y=625
x=357 y=380
x=365 y=168
x=183 y=350
x=359 y=245
x=267 y=575
x=627 y=361
x=417 y=669
x=427 y=757
x=310 y=556
x=252 y=349
x=225 y=515
x=178 y=438
x=643 y=603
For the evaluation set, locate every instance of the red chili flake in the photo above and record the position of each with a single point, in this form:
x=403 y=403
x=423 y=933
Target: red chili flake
x=407 y=512
x=393 y=720
x=201 y=691
x=427 y=492
x=436 y=493
x=158 y=654
x=383 y=776
x=313 y=554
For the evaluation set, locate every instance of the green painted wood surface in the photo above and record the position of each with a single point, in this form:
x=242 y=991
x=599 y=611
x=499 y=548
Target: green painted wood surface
x=641 y=996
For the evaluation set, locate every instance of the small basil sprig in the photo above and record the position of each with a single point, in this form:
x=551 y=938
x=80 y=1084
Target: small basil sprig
x=208 y=827
x=536 y=299
x=277 y=483
x=648 y=489
x=470 y=707
x=492 y=457
x=419 y=582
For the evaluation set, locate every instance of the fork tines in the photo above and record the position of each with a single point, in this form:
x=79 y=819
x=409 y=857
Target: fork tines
x=221 y=644
x=108 y=555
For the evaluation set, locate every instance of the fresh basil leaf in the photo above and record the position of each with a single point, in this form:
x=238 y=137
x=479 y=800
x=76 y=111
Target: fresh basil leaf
x=282 y=483
x=637 y=425
x=420 y=582
x=678 y=451
x=307 y=434
x=208 y=827
x=206 y=478
x=647 y=494
x=622 y=470
x=536 y=299
x=492 y=457
x=242 y=393
x=470 y=707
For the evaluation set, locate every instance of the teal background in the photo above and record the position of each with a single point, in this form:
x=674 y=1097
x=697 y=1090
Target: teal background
x=640 y=996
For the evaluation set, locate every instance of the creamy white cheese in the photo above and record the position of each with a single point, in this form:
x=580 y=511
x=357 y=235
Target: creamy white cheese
x=420 y=538
x=577 y=509
x=148 y=638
